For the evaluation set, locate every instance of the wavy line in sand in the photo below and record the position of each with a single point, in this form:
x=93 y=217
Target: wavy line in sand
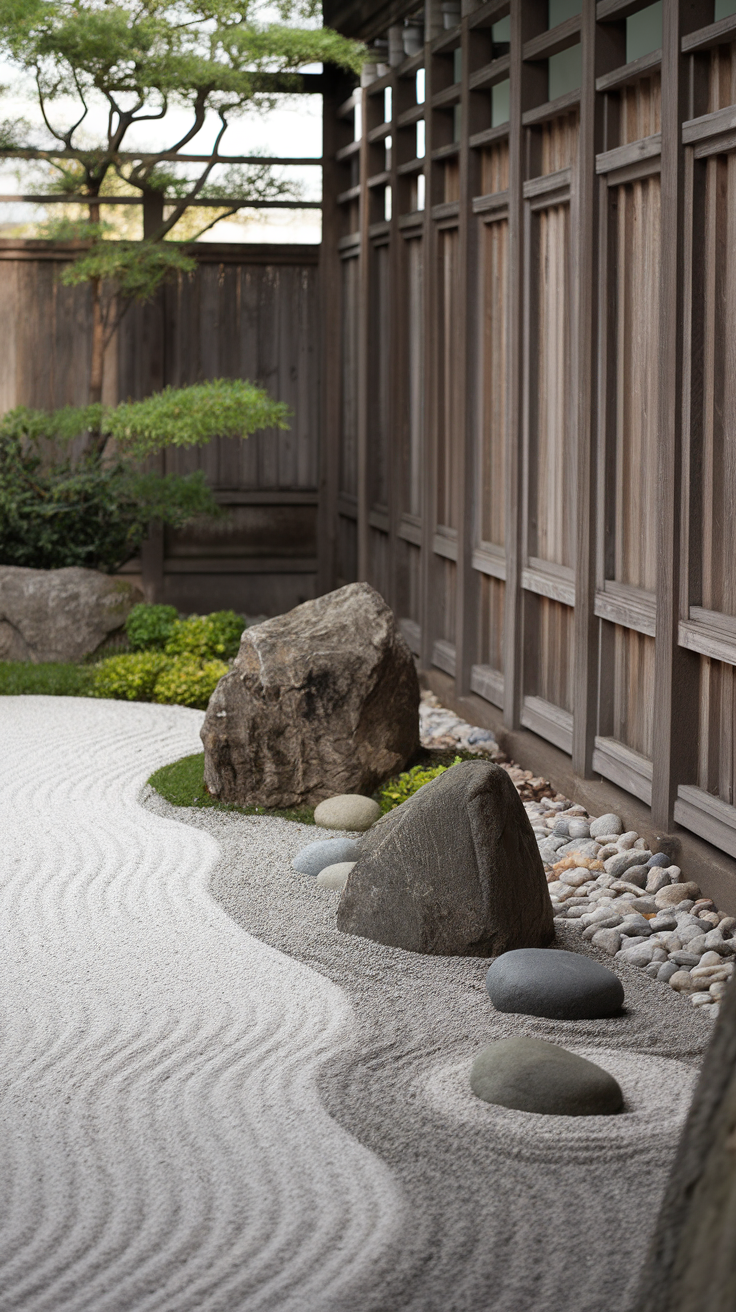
x=165 y=1147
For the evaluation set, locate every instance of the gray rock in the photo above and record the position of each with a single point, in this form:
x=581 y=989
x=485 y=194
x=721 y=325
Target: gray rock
x=606 y=824
x=659 y=859
x=656 y=879
x=60 y=614
x=632 y=941
x=634 y=922
x=652 y=970
x=335 y=877
x=452 y=871
x=347 y=811
x=621 y=863
x=609 y=940
x=578 y=828
x=559 y=985
x=715 y=942
x=666 y=971
x=675 y=893
x=637 y=875
x=325 y=852
x=686 y=959
x=531 y=1075
x=645 y=905
x=321 y=701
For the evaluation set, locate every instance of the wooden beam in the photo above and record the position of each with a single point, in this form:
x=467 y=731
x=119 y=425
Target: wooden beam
x=675 y=692
x=466 y=593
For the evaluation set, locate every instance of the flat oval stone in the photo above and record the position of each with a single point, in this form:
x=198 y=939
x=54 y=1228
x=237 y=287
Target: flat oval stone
x=559 y=985
x=347 y=811
x=531 y=1075
x=325 y=852
x=335 y=876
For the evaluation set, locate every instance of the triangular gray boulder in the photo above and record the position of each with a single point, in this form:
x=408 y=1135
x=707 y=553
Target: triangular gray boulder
x=453 y=871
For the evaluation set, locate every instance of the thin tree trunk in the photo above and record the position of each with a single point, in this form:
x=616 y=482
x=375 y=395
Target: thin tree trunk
x=98 y=345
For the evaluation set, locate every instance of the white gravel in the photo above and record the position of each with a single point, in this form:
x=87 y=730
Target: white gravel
x=164 y=1144
x=211 y=1099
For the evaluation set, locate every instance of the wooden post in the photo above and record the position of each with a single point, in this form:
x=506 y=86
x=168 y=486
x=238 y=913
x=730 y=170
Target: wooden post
x=675 y=697
x=466 y=589
x=428 y=593
x=337 y=89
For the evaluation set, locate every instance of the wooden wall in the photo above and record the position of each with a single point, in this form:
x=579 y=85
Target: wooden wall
x=541 y=355
x=248 y=312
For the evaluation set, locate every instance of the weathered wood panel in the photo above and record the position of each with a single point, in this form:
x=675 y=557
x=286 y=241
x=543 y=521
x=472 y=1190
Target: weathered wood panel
x=637 y=342
x=633 y=690
x=413 y=450
x=717 y=730
x=449 y=378
x=491 y=442
x=379 y=380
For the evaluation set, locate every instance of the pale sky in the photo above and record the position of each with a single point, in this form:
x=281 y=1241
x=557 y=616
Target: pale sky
x=294 y=129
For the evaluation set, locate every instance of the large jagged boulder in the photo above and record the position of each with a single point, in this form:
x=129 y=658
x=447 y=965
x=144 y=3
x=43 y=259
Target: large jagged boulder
x=60 y=614
x=691 y=1264
x=320 y=701
x=454 y=871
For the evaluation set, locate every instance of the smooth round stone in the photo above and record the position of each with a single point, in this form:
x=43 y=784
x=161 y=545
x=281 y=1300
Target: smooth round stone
x=606 y=824
x=559 y=985
x=325 y=852
x=347 y=811
x=659 y=859
x=673 y=894
x=531 y=1075
x=335 y=876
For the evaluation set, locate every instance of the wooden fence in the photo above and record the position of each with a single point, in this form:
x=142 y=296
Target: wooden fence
x=247 y=312
x=530 y=264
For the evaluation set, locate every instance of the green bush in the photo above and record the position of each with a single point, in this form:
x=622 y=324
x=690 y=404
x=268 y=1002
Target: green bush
x=131 y=677
x=152 y=676
x=185 y=681
x=55 y=511
x=207 y=636
x=405 y=785
x=149 y=627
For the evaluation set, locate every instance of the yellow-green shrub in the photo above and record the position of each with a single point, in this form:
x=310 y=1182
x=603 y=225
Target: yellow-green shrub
x=152 y=676
x=405 y=785
x=131 y=677
x=206 y=636
x=185 y=681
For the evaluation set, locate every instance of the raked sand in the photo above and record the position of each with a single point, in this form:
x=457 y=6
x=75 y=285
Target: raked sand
x=211 y=1099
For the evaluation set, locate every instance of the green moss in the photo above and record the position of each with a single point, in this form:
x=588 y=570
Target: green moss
x=52 y=679
x=182 y=784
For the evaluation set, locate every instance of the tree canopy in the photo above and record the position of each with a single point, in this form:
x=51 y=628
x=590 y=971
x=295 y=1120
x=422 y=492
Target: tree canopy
x=139 y=60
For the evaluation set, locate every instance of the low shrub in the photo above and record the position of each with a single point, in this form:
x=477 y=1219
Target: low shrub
x=405 y=785
x=153 y=676
x=148 y=628
x=185 y=681
x=207 y=636
x=131 y=677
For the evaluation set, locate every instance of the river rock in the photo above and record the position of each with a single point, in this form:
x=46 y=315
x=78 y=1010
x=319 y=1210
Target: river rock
x=321 y=701
x=559 y=985
x=531 y=1075
x=605 y=825
x=676 y=893
x=60 y=614
x=623 y=861
x=453 y=871
x=325 y=852
x=609 y=940
x=335 y=876
x=657 y=879
x=348 y=811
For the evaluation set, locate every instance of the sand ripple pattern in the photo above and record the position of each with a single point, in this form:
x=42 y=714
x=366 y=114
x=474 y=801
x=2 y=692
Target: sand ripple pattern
x=163 y=1145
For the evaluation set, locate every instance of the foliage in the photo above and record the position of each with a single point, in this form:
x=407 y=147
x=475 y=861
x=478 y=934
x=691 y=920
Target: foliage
x=152 y=676
x=18 y=678
x=56 y=512
x=185 y=681
x=182 y=784
x=137 y=269
x=137 y=61
x=207 y=636
x=192 y=416
x=131 y=677
x=149 y=627
x=405 y=785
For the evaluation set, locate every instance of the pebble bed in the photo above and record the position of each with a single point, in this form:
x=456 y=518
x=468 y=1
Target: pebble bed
x=630 y=902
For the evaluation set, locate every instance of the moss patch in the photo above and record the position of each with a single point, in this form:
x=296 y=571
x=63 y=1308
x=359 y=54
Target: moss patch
x=182 y=784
